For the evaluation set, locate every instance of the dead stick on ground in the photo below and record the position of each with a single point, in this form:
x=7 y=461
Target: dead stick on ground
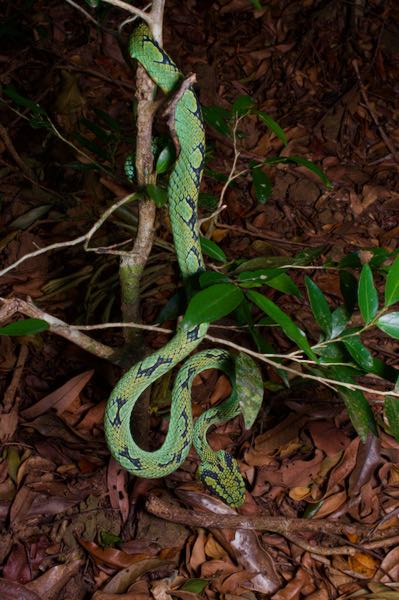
x=289 y=528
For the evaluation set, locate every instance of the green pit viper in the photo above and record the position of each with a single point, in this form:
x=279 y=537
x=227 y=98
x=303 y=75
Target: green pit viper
x=218 y=471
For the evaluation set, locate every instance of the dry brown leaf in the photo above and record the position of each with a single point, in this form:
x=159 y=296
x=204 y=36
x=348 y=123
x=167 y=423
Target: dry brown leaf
x=117 y=484
x=214 y=550
x=364 y=564
x=10 y=590
x=124 y=579
x=198 y=551
x=53 y=582
x=111 y=556
x=61 y=398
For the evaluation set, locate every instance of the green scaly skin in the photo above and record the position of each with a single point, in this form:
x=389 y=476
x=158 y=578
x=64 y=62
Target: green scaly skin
x=218 y=471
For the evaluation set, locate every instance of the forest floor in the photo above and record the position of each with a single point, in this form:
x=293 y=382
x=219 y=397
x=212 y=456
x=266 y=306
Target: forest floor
x=73 y=525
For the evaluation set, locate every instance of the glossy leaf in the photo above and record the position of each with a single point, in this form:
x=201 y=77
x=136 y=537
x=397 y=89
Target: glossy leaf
x=209 y=278
x=257 y=278
x=174 y=307
x=291 y=330
x=249 y=386
x=273 y=126
x=208 y=201
x=284 y=283
x=157 y=194
x=339 y=320
x=348 y=286
x=319 y=306
x=299 y=160
x=359 y=352
x=358 y=408
x=165 y=159
x=367 y=295
x=391 y=411
x=389 y=324
x=24 y=327
x=211 y=249
x=218 y=118
x=212 y=304
x=392 y=284
x=262 y=185
x=359 y=412
x=242 y=105
x=20 y=100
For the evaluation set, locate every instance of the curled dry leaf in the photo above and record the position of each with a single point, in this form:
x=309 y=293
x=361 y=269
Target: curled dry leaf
x=111 y=556
x=60 y=399
x=122 y=580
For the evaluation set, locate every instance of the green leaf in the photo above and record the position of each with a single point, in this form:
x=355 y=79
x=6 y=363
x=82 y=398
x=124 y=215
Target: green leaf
x=157 y=194
x=24 y=327
x=20 y=100
x=391 y=411
x=348 y=286
x=210 y=248
x=284 y=283
x=209 y=278
x=389 y=324
x=299 y=160
x=262 y=185
x=257 y=4
x=165 y=159
x=249 y=386
x=392 y=284
x=359 y=352
x=273 y=126
x=358 y=408
x=107 y=539
x=27 y=219
x=319 y=306
x=208 y=201
x=218 y=118
x=242 y=105
x=257 y=278
x=288 y=326
x=212 y=304
x=359 y=412
x=196 y=586
x=367 y=295
x=339 y=320
x=174 y=307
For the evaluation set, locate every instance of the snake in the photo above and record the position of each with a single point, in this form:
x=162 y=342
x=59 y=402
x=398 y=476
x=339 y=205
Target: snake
x=217 y=470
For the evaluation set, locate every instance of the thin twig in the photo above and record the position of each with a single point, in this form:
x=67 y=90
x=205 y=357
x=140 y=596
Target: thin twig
x=71 y=332
x=79 y=240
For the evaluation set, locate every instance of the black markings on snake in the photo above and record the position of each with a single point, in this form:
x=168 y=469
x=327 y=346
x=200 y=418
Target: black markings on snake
x=186 y=383
x=193 y=220
x=136 y=462
x=150 y=370
x=116 y=421
x=192 y=335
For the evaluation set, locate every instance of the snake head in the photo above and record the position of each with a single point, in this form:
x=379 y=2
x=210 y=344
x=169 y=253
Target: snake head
x=223 y=479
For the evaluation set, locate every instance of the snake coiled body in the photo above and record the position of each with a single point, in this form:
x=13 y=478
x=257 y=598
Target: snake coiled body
x=218 y=470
